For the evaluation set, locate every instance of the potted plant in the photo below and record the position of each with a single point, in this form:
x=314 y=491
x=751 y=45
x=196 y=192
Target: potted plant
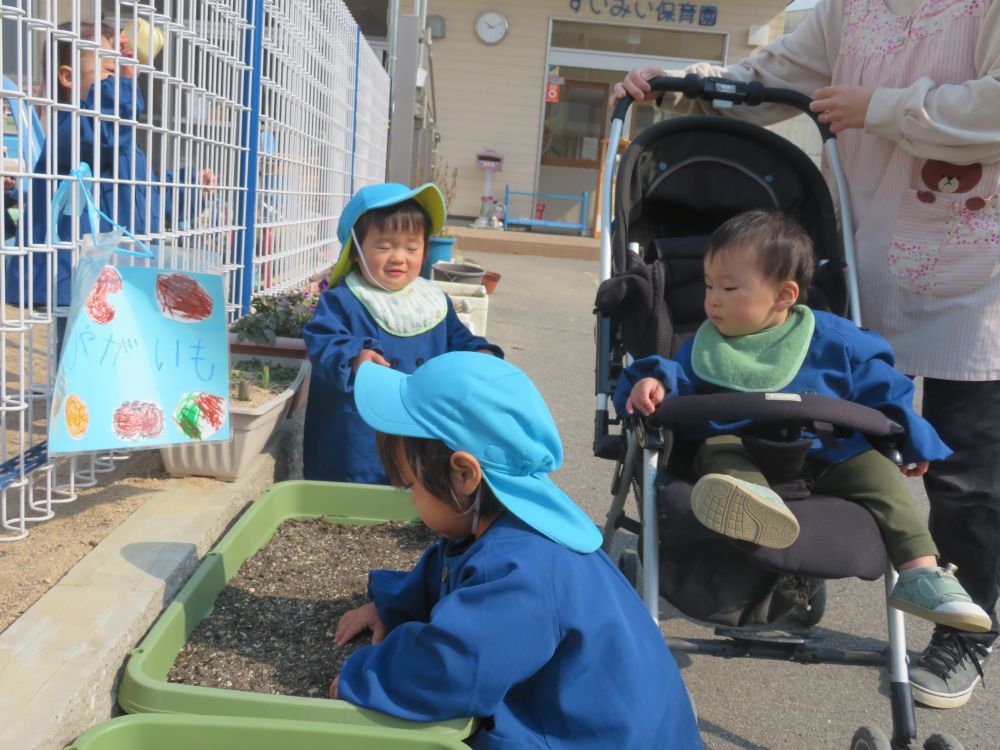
x=273 y=328
x=275 y=322
x=261 y=392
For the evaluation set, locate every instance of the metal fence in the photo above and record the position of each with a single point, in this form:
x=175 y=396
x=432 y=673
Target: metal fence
x=232 y=131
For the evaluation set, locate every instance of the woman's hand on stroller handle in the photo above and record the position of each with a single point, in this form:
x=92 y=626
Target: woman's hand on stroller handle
x=636 y=83
x=643 y=84
x=842 y=107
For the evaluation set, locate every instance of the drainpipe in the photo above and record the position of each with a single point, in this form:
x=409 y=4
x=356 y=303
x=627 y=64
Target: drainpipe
x=422 y=13
x=392 y=26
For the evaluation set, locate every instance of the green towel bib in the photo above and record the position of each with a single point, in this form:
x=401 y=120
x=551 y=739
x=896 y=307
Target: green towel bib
x=414 y=309
x=764 y=361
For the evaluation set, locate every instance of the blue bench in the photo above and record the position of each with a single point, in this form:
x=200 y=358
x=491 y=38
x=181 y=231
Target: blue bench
x=579 y=226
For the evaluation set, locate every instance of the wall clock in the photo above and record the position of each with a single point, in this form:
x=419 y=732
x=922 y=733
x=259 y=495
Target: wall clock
x=491 y=26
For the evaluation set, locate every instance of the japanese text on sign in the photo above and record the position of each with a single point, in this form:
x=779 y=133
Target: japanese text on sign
x=664 y=12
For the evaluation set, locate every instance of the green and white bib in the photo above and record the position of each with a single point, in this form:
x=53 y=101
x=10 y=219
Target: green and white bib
x=414 y=309
x=764 y=361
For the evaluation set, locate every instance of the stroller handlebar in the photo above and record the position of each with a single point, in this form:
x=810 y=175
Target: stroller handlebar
x=780 y=408
x=726 y=93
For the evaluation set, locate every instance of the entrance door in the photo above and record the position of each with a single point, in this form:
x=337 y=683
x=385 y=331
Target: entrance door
x=574 y=124
x=584 y=62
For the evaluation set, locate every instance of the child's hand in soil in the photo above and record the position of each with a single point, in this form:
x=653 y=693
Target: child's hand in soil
x=356 y=620
x=369 y=355
x=335 y=687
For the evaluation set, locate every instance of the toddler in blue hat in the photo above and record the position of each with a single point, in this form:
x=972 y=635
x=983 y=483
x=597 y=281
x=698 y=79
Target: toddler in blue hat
x=515 y=617
x=379 y=310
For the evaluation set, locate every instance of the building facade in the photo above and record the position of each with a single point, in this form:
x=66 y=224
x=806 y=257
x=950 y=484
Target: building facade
x=530 y=79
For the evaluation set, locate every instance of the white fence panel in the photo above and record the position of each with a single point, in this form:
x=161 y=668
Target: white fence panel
x=371 y=133
x=163 y=101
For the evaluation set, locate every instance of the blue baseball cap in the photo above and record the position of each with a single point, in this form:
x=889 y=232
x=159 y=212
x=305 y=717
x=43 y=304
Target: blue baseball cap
x=381 y=196
x=483 y=405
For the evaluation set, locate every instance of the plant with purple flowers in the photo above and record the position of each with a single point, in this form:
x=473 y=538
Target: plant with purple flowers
x=274 y=315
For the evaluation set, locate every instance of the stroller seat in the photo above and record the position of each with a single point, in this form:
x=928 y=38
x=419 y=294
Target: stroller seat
x=729 y=582
x=716 y=579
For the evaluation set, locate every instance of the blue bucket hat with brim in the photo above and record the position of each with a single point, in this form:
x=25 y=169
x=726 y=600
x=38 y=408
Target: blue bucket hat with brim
x=382 y=196
x=481 y=404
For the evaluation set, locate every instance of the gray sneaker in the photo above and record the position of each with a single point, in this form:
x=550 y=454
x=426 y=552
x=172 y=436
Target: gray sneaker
x=742 y=510
x=949 y=670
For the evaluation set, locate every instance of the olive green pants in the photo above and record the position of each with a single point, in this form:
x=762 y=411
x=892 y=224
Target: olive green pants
x=869 y=479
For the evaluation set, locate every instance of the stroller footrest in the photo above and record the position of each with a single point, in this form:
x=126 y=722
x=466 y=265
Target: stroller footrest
x=629 y=524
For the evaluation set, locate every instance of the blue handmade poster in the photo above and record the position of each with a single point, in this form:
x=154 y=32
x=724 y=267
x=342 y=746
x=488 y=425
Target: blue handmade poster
x=145 y=361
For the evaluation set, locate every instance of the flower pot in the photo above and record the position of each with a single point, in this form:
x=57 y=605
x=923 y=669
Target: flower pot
x=440 y=249
x=251 y=428
x=490 y=281
x=471 y=304
x=458 y=273
x=283 y=347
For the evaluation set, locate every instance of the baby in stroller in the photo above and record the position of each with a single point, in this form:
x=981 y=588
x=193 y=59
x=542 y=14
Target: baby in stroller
x=757 y=337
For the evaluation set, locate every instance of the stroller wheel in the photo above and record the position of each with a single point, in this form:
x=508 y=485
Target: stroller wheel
x=629 y=564
x=811 y=615
x=942 y=742
x=870 y=738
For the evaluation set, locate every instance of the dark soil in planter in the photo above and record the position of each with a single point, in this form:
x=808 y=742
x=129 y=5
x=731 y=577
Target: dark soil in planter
x=271 y=630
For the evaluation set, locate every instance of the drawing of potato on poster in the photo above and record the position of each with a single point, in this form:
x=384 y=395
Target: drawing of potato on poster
x=145 y=363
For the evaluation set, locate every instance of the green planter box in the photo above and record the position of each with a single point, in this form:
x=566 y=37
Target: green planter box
x=144 y=687
x=186 y=732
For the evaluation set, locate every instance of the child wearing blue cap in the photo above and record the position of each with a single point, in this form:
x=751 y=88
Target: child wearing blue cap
x=515 y=617
x=378 y=309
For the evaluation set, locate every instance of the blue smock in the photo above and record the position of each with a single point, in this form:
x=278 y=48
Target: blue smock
x=132 y=165
x=338 y=445
x=843 y=361
x=550 y=648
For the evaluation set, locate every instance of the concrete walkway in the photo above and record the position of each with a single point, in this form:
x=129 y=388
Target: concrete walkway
x=60 y=661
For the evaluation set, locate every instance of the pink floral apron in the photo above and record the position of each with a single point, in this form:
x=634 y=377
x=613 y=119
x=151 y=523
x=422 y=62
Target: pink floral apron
x=927 y=232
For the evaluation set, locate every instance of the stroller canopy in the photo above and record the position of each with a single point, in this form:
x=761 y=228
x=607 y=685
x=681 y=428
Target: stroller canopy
x=683 y=177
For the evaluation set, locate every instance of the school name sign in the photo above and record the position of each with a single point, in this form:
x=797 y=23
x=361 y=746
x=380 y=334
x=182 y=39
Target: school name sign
x=663 y=12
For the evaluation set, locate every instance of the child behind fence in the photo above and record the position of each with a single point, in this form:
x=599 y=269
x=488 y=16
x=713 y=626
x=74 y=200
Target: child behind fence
x=129 y=191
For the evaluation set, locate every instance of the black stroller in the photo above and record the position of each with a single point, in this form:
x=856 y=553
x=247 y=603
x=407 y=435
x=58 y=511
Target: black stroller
x=678 y=181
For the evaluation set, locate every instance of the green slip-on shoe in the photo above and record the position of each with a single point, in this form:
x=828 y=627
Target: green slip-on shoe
x=936 y=595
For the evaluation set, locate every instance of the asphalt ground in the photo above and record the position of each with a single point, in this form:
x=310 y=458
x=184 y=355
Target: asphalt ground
x=541 y=314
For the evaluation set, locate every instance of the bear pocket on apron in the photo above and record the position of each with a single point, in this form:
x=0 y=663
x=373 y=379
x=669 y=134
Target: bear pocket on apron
x=944 y=248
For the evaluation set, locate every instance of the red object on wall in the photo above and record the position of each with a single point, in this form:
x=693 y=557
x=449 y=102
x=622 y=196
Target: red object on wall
x=552 y=92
